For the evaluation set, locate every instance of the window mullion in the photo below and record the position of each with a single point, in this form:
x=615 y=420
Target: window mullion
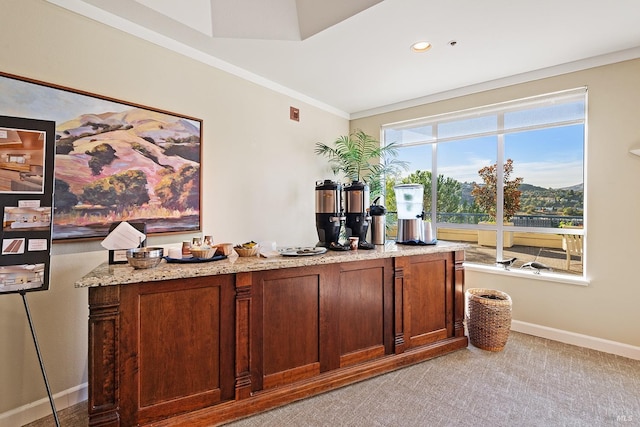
x=434 y=177
x=495 y=132
x=463 y=141
x=500 y=188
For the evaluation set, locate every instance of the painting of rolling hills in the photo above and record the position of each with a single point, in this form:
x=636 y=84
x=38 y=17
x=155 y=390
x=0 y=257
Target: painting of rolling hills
x=113 y=161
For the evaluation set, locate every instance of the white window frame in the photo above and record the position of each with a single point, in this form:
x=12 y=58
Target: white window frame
x=500 y=109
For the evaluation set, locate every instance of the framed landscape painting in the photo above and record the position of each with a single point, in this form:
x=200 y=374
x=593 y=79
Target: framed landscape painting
x=114 y=161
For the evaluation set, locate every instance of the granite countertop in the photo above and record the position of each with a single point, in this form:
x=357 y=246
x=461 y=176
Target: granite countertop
x=120 y=274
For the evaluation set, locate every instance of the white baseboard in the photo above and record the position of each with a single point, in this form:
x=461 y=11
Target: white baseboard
x=41 y=408
x=606 y=346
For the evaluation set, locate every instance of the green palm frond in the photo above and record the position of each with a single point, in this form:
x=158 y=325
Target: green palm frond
x=360 y=157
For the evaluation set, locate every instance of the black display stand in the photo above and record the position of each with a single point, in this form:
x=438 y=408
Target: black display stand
x=35 y=343
x=27 y=155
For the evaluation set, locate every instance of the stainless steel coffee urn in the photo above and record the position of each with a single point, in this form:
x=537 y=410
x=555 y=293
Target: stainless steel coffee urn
x=378 y=223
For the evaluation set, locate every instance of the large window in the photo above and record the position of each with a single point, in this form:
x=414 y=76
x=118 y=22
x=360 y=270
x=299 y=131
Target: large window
x=509 y=179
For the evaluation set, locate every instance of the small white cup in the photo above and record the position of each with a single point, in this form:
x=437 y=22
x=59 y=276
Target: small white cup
x=175 y=253
x=268 y=245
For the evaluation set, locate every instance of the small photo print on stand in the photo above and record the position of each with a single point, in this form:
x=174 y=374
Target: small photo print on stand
x=14 y=278
x=13 y=246
x=26 y=218
x=22 y=159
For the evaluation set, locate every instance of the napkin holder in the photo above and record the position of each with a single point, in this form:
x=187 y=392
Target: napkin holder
x=120 y=256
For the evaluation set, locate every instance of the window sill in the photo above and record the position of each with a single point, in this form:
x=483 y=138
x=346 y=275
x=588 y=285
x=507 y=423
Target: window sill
x=545 y=276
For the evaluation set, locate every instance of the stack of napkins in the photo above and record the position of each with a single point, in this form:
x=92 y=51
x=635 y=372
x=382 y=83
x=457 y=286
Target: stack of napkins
x=124 y=236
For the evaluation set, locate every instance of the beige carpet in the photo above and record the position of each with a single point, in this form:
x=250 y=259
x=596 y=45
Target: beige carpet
x=532 y=382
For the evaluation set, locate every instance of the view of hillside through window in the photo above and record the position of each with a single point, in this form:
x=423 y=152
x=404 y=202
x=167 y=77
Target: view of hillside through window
x=521 y=161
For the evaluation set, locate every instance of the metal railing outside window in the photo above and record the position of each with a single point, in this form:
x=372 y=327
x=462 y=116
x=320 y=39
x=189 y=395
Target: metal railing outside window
x=543 y=137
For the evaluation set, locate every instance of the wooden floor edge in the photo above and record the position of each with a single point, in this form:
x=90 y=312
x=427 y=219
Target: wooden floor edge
x=270 y=399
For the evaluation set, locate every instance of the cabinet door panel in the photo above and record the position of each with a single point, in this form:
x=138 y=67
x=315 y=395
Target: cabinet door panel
x=361 y=314
x=426 y=301
x=290 y=326
x=181 y=351
x=176 y=355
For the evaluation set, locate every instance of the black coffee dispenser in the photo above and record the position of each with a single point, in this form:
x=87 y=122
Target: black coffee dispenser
x=357 y=213
x=329 y=215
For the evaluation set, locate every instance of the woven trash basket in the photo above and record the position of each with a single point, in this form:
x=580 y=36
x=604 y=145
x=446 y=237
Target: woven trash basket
x=488 y=318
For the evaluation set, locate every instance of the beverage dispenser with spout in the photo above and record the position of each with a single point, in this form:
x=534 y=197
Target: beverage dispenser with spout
x=329 y=214
x=357 y=213
x=410 y=204
x=378 y=223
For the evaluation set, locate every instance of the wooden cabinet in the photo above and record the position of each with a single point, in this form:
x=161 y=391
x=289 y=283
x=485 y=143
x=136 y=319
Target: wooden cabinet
x=207 y=350
x=361 y=306
x=159 y=349
x=430 y=290
x=315 y=319
x=286 y=326
x=427 y=299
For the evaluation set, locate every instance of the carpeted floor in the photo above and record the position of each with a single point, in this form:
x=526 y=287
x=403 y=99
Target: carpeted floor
x=532 y=382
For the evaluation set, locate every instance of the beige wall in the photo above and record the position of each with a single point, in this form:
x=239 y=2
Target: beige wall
x=258 y=175
x=608 y=307
x=259 y=171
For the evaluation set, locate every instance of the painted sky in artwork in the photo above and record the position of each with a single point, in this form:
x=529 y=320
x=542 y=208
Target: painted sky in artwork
x=19 y=99
x=149 y=142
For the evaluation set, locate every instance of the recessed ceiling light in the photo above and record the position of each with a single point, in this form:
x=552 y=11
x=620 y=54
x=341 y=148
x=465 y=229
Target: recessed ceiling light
x=421 y=46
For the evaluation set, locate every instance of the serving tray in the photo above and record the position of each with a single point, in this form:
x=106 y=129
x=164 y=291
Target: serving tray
x=418 y=243
x=193 y=260
x=302 y=251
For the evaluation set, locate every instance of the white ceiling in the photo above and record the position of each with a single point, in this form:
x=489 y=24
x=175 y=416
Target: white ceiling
x=353 y=58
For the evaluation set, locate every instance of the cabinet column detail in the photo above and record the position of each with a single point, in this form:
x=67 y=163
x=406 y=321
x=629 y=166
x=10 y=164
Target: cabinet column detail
x=459 y=302
x=104 y=324
x=398 y=289
x=243 y=341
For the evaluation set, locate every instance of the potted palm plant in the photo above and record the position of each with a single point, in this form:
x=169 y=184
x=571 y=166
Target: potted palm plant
x=361 y=157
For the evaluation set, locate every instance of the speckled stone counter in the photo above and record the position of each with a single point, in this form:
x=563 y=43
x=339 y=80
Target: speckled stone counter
x=120 y=274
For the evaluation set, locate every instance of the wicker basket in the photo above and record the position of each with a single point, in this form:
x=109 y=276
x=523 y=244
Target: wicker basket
x=488 y=318
x=203 y=252
x=247 y=251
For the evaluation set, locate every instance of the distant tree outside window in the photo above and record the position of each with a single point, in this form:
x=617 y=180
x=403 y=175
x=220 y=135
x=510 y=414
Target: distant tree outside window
x=535 y=145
